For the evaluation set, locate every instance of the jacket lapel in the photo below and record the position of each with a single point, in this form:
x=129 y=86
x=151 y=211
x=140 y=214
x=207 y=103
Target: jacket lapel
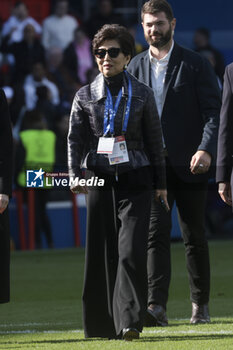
x=98 y=88
x=172 y=68
x=146 y=70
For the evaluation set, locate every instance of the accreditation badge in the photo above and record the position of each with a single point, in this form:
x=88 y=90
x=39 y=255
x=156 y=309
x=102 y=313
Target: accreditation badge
x=119 y=153
x=106 y=145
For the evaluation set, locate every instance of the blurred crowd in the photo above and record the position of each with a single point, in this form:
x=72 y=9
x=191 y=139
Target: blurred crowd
x=42 y=65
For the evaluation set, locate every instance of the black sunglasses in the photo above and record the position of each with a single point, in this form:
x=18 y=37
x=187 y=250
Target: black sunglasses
x=113 y=52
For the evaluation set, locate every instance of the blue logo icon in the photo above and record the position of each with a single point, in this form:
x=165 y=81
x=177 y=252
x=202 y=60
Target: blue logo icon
x=35 y=178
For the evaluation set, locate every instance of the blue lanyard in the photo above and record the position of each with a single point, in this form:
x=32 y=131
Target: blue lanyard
x=110 y=110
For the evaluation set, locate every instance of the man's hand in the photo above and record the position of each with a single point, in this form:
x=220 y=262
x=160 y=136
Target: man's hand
x=79 y=189
x=200 y=162
x=224 y=190
x=161 y=196
x=4 y=200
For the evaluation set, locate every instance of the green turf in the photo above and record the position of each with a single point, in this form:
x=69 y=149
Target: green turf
x=45 y=307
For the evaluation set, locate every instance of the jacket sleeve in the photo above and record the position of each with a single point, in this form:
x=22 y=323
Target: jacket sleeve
x=153 y=141
x=6 y=147
x=209 y=98
x=225 y=136
x=77 y=137
x=134 y=68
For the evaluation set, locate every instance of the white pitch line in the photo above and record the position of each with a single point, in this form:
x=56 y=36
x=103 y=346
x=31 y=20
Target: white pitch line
x=29 y=324
x=168 y=332
x=30 y=331
x=191 y=331
x=36 y=324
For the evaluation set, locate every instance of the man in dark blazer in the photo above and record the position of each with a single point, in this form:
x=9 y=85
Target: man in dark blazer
x=5 y=191
x=224 y=174
x=188 y=102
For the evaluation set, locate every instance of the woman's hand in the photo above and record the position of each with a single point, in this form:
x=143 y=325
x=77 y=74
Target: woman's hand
x=79 y=189
x=161 y=196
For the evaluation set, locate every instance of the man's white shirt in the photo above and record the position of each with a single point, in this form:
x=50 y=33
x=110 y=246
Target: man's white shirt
x=158 y=73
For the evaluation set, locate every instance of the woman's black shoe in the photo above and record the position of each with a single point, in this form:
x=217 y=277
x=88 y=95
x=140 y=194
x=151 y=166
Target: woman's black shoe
x=129 y=334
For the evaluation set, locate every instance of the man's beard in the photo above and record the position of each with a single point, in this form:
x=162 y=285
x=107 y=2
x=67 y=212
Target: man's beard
x=162 y=40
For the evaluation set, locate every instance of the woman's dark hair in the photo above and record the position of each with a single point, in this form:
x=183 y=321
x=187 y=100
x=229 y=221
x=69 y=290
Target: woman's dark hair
x=154 y=6
x=118 y=33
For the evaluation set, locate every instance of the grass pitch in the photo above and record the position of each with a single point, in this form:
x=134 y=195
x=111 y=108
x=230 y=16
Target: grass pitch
x=45 y=308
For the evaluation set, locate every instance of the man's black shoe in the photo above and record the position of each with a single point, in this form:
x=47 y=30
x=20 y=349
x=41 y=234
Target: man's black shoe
x=129 y=334
x=156 y=316
x=200 y=314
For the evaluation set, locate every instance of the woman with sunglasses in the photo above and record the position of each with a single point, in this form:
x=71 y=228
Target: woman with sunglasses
x=116 y=109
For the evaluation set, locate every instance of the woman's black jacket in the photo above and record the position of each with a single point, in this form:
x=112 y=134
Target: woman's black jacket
x=143 y=135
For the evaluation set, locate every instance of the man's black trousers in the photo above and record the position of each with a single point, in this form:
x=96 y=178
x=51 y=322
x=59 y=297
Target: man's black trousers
x=190 y=201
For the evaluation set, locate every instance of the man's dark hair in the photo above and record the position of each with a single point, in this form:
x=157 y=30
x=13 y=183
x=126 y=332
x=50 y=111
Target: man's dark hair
x=118 y=33
x=154 y=6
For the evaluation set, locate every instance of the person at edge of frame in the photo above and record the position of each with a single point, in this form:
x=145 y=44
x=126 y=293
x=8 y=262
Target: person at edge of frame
x=6 y=161
x=188 y=102
x=224 y=174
